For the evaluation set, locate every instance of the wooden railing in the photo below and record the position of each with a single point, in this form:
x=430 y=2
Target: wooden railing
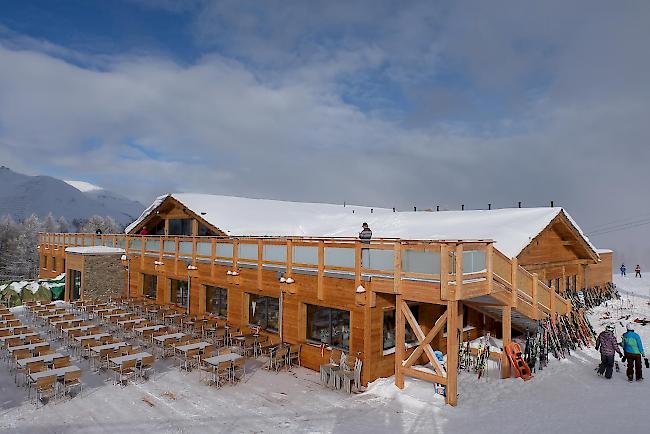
x=397 y=259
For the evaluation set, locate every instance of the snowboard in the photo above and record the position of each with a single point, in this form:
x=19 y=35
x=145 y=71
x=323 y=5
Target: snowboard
x=517 y=361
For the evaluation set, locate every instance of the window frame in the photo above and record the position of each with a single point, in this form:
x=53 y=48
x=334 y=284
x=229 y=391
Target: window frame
x=173 y=293
x=144 y=287
x=407 y=339
x=220 y=306
x=182 y=227
x=251 y=316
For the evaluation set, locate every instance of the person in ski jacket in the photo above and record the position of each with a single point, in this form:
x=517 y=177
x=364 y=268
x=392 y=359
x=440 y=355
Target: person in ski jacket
x=622 y=269
x=633 y=348
x=637 y=271
x=144 y=231
x=365 y=235
x=607 y=345
x=98 y=231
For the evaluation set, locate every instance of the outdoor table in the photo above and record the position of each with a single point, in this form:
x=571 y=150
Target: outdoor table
x=163 y=338
x=46 y=358
x=189 y=347
x=29 y=346
x=95 y=336
x=13 y=328
x=117 y=315
x=21 y=336
x=113 y=346
x=59 y=372
x=79 y=328
x=65 y=321
x=130 y=321
x=137 y=356
x=141 y=330
x=230 y=357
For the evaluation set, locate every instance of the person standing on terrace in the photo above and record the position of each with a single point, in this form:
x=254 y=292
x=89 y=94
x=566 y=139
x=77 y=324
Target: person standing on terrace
x=365 y=235
x=144 y=231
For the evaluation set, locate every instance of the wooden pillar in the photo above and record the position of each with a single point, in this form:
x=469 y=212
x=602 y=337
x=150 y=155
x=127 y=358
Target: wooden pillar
x=458 y=290
x=400 y=341
x=452 y=352
x=489 y=256
x=506 y=334
x=321 y=271
x=357 y=264
x=289 y=258
x=397 y=267
x=260 y=255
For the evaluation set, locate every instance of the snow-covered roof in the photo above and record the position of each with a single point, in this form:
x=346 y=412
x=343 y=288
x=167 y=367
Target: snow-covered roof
x=602 y=251
x=95 y=250
x=512 y=229
x=83 y=186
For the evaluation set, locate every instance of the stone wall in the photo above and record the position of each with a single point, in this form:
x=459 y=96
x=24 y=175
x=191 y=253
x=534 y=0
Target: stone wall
x=104 y=276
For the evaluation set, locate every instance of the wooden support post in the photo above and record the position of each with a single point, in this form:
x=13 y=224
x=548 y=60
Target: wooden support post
x=563 y=283
x=506 y=331
x=235 y=254
x=444 y=271
x=321 y=270
x=397 y=267
x=514 y=271
x=213 y=254
x=459 y=272
x=551 y=306
x=143 y=242
x=460 y=320
x=176 y=259
x=400 y=341
x=452 y=352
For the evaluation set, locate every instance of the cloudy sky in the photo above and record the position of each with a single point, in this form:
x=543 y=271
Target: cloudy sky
x=386 y=103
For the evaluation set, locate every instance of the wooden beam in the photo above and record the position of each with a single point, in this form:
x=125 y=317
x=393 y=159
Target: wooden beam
x=437 y=328
x=535 y=296
x=423 y=375
x=400 y=341
x=357 y=264
x=260 y=255
x=289 y=258
x=489 y=266
x=452 y=353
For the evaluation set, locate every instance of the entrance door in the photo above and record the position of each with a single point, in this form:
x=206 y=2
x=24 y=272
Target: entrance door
x=75 y=285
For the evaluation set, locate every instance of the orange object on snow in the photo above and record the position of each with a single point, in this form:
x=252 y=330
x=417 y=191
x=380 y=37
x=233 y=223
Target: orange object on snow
x=517 y=361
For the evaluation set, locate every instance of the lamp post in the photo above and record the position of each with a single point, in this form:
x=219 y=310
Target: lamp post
x=126 y=261
x=190 y=268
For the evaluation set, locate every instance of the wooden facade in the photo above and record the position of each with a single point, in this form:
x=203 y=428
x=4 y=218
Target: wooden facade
x=396 y=314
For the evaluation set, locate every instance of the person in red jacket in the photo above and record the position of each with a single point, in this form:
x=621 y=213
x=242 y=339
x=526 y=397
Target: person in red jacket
x=144 y=231
x=637 y=271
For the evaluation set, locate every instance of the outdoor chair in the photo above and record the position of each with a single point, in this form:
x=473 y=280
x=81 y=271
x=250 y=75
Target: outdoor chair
x=278 y=359
x=238 y=370
x=124 y=372
x=146 y=368
x=188 y=359
x=294 y=355
x=45 y=388
x=60 y=362
x=70 y=381
x=250 y=346
x=222 y=373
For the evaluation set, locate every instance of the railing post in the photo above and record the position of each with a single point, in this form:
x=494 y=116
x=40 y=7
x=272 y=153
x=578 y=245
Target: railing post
x=289 y=258
x=176 y=256
x=397 y=267
x=142 y=250
x=213 y=254
x=260 y=255
x=551 y=301
x=514 y=271
x=235 y=254
x=321 y=270
x=489 y=266
x=357 y=264
x=452 y=347
x=458 y=290
x=400 y=340
x=506 y=331
x=444 y=271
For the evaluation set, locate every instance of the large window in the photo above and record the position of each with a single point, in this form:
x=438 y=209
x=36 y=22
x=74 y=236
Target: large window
x=179 y=292
x=216 y=300
x=328 y=326
x=180 y=227
x=54 y=263
x=264 y=312
x=389 y=327
x=75 y=285
x=45 y=261
x=149 y=285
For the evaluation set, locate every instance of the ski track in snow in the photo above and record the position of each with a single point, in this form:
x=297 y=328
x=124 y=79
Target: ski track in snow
x=567 y=396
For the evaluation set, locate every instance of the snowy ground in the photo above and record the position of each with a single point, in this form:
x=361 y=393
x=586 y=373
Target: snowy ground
x=567 y=396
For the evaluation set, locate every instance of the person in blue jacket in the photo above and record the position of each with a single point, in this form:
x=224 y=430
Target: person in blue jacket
x=633 y=349
x=622 y=269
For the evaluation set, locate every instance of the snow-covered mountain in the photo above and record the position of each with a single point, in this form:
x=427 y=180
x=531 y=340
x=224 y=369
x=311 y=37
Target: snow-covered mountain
x=22 y=195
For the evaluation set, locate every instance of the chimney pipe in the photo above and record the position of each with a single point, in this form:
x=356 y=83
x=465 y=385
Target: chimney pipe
x=462 y=207
x=343 y=204
x=415 y=208
x=437 y=207
x=519 y=205
x=489 y=206
x=371 y=210
x=393 y=209
x=551 y=204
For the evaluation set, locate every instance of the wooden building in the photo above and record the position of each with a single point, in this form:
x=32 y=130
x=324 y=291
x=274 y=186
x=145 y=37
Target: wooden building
x=299 y=270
